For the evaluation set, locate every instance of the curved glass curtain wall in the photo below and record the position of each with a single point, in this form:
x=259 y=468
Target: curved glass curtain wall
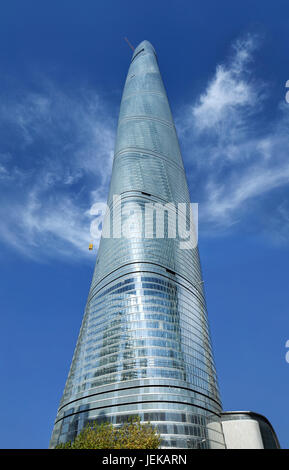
x=144 y=345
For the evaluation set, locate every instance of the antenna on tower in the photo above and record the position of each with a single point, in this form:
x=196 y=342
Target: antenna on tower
x=129 y=43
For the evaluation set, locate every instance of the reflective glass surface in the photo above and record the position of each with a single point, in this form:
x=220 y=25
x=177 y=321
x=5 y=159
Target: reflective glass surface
x=144 y=345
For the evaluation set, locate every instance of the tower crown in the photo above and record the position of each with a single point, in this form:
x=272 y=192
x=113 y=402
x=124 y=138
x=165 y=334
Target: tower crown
x=145 y=46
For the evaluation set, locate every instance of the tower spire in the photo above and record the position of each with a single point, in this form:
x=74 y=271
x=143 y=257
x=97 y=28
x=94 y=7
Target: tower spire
x=129 y=43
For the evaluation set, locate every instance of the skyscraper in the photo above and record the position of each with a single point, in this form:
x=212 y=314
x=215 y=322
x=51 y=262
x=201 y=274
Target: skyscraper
x=144 y=345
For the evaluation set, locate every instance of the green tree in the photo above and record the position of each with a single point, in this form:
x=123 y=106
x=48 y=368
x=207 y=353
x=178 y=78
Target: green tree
x=130 y=435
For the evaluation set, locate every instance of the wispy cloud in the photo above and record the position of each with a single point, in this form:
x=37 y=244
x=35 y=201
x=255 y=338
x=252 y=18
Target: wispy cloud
x=54 y=164
x=230 y=94
x=233 y=153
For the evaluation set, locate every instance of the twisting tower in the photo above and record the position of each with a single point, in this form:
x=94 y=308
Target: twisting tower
x=144 y=345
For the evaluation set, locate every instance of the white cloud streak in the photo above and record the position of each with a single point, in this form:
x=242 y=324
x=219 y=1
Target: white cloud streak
x=226 y=146
x=57 y=167
x=228 y=93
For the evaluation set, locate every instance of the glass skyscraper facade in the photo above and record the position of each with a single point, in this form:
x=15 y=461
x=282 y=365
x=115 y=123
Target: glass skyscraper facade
x=144 y=345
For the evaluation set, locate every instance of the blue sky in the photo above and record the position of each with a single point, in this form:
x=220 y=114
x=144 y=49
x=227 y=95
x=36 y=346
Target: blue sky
x=63 y=66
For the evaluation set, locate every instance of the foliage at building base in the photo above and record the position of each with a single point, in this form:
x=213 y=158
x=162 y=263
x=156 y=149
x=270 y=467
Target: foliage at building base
x=130 y=435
